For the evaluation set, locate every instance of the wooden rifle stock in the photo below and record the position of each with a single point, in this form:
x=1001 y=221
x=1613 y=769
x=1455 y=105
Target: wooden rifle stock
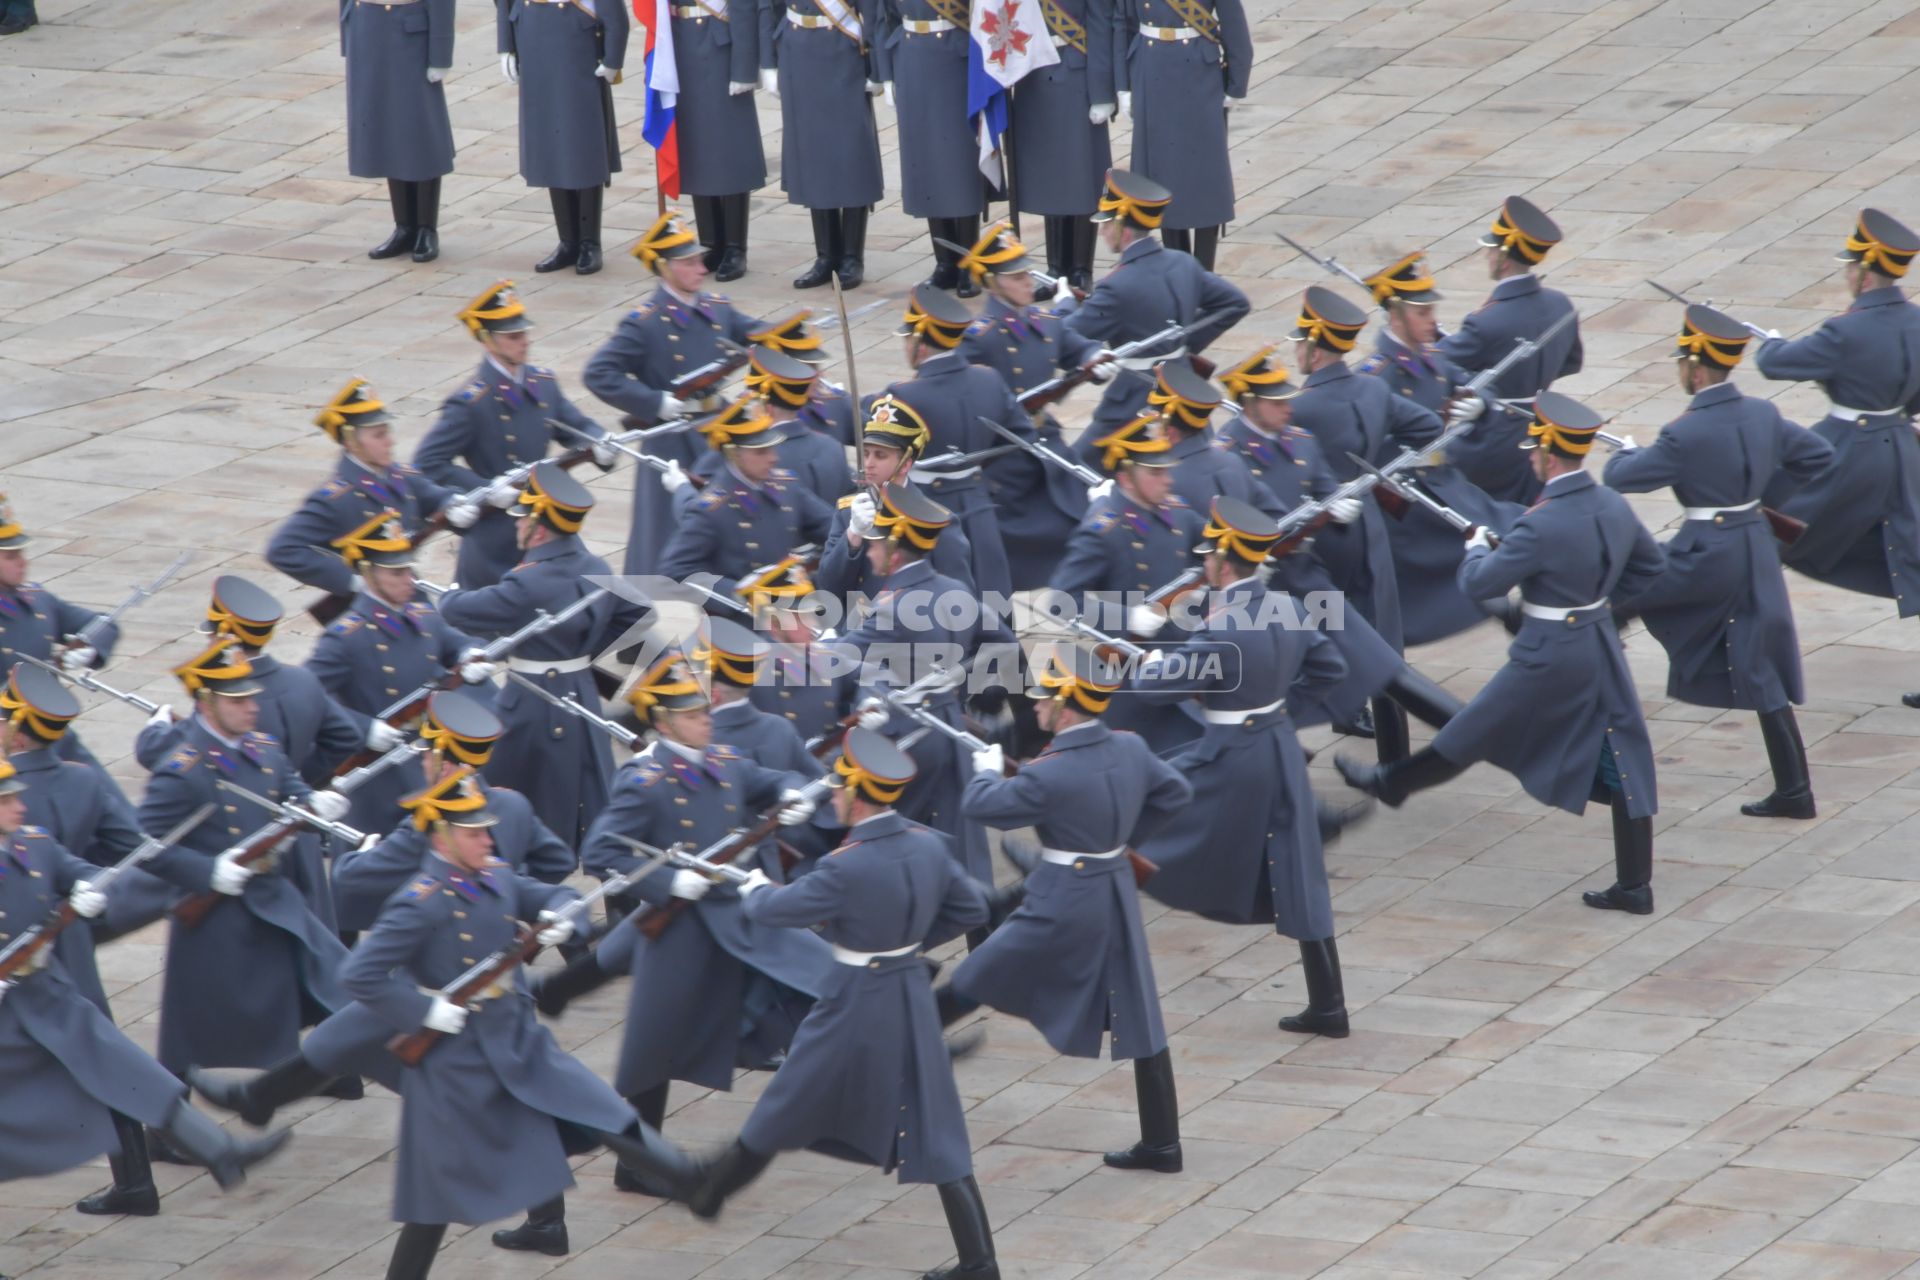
x=1295 y=540
x=192 y=912
x=1394 y=504
x=1785 y=527
x=652 y=920
x=411 y=1046
x=16 y=962
x=399 y=719
x=1143 y=867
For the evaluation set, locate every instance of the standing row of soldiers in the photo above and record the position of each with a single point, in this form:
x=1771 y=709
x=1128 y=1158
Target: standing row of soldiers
x=1209 y=561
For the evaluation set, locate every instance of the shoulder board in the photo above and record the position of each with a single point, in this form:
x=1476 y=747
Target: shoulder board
x=1372 y=364
x=1178 y=502
x=420 y=609
x=824 y=390
x=182 y=759
x=1223 y=444
x=468 y=392
x=421 y=886
x=333 y=489
x=642 y=311
x=780 y=475
x=536 y=371
x=1104 y=520
x=847 y=501
x=259 y=739
x=405 y=469
x=717 y=297
x=347 y=625
x=721 y=751
x=980 y=326
x=30 y=832
x=711 y=500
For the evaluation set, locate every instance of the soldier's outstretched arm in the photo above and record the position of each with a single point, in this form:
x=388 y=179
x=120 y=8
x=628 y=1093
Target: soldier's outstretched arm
x=963 y=906
x=1645 y=470
x=489 y=611
x=1814 y=358
x=1485 y=575
x=299 y=548
x=170 y=798
x=1168 y=792
x=69 y=619
x=814 y=898
x=375 y=874
x=568 y=412
x=1217 y=295
x=1411 y=425
x=1467 y=346
x=1005 y=803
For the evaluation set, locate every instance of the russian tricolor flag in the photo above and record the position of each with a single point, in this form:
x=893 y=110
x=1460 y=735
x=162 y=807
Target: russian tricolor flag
x=663 y=91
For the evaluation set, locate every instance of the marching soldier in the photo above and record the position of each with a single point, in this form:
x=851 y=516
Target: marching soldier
x=737 y=663
x=1720 y=608
x=397 y=125
x=1072 y=959
x=678 y=331
x=1863 y=511
x=894 y=436
x=1058 y=133
x=921 y=51
x=1562 y=715
x=816 y=416
x=868 y=1077
x=829 y=143
x=501 y=420
x=491 y=1114
x=1519 y=307
x=1187 y=60
x=561 y=765
x=806 y=687
x=76 y=1086
x=1181 y=404
x=1147 y=288
x=717 y=63
x=571 y=54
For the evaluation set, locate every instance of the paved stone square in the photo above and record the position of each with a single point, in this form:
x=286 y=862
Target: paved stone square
x=1727 y=1088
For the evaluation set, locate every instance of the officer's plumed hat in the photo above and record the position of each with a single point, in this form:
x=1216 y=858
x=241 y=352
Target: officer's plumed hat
x=907 y=515
x=1712 y=338
x=355 y=406
x=1561 y=425
x=780 y=378
x=1882 y=243
x=1182 y=395
x=1243 y=531
x=1133 y=199
x=793 y=335
x=498 y=310
x=1080 y=677
x=459 y=728
x=243 y=611
x=668 y=685
x=997 y=252
x=732 y=653
x=1259 y=377
x=555 y=498
x=744 y=424
x=1522 y=230
x=1407 y=281
x=457 y=800
x=666 y=239
x=1135 y=444
x=221 y=668
x=895 y=423
x=12 y=535
x=36 y=702
x=381 y=542
x=1329 y=321
x=876 y=769
x=934 y=316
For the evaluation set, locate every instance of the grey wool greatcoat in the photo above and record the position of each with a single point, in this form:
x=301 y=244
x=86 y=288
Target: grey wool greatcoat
x=1863 y=510
x=734 y=527
x=489 y=1117
x=568 y=137
x=559 y=762
x=809 y=690
x=845 y=570
x=1151 y=287
x=302 y=547
x=1720 y=607
x=240 y=985
x=868 y=1077
x=1059 y=157
x=1565 y=697
x=67 y=1067
x=33 y=621
x=719 y=131
x=829 y=143
x=660 y=340
x=1251 y=851
x=814 y=449
x=1180 y=91
x=1073 y=958
x=486 y=429
x=1519 y=307
x=939 y=143
x=714 y=991
x=397 y=124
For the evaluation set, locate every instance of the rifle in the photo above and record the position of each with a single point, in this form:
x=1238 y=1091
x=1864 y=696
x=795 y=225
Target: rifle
x=1085 y=475
x=953 y=460
x=411 y=1046
x=1329 y=264
x=1522 y=347
x=698 y=384
x=1411 y=492
x=19 y=955
x=1787 y=529
x=139 y=596
x=1051 y=392
x=1685 y=301
x=571 y=705
x=644 y=459
x=87 y=680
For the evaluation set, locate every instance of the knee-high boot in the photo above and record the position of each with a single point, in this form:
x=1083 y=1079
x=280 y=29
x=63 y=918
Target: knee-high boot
x=946 y=263
x=651 y=1106
x=1080 y=266
x=1632 y=889
x=257 y=1098
x=414 y=1249
x=426 y=211
x=587 y=202
x=566 y=222
x=1391 y=742
x=1177 y=238
x=405 y=229
x=1391 y=784
x=1206 y=244
x=1059 y=246
x=826 y=249
x=964 y=232
x=733 y=238
x=706 y=224
x=194 y=1135
x=737 y=1166
x=132 y=1192
x=1326 y=1011
x=972 y=1236
x=1424 y=700
x=553 y=992
x=1792 y=782
x=1159 y=1147
x=544 y=1231
x=852 y=252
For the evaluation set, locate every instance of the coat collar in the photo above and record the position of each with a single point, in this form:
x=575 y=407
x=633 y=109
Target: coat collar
x=41 y=761
x=1334 y=372
x=911 y=575
x=734 y=713
x=1141 y=248
x=1084 y=735
x=945 y=362
x=1195 y=443
x=558 y=549
x=1516 y=287
x=1891 y=295
x=1572 y=482
x=1724 y=393
x=877 y=827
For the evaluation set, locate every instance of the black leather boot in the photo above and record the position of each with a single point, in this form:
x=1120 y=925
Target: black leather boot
x=952 y=1005
x=256 y=1099
x=736 y=1167
x=641 y=1150
x=972 y=1237
x=965 y=232
x=1085 y=237
x=414 y=1249
x=733 y=238
x=1632 y=889
x=553 y=992
x=1391 y=741
x=1422 y=699
x=1326 y=1011
x=651 y=1107
x=566 y=222
x=706 y=227
x=1177 y=238
x=1206 y=244
x=946 y=264
x=826 y=249
x=1333 y=819
x=1792 y=783
x=405 y=229
x=1059 y=251
x=1159 y=1147
x=1360 y=726
x=1391 y=784
x=196 y=1136
x=544 y=1231
x=426 y=207
x=587 y=200
x=132 y=1192
x=853 y=247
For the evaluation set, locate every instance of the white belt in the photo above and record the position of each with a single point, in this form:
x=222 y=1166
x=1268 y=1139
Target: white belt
x=1843 y=411
x=1708 y=513
x=545 y=666
x=1146 y=364
x=695 y=12
x=934 y=477
x=808 y=20
x=1246 y=713
x=1067 y=857
x=930 y=27
x=1552 y=612
x=859 y=958
x=1169 y=35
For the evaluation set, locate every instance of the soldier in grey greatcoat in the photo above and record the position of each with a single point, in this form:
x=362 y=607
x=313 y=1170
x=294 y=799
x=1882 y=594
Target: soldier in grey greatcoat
x=1057 y=132
x=491 y=1114
x=502 y=419
x=921 y=50
x=829 y=143
x=1186 y=62
x=893 y=438
x=869 y=1078
x=1562 y=716
x=398 y=55
x=716 y=53
x=569 y=53
x=816 y=416
x=1720 y=608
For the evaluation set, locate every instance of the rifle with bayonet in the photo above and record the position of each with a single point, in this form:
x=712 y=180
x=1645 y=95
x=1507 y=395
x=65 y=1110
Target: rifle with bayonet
x=1685 y=301
x=573 y=707
x=1329 y=264
x=93 y=630
x=1084 y=474
x=1051 y=392
x=87 y=680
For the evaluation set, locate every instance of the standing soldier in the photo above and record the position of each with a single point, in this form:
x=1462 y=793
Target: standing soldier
x=561 y=764
x=1862 y=511
x=676 y=332
x=1562 y=716
x=1519 y=307
x=501 y=420
x=495 y=1108
x=922 y=55
x=894 y=436
x=397 y=126
x=717 y=63
x=1185 y=59
x=868 y=1077
x=571 y=52
x=816 y=416
x=1058 y=135
x=366 y=483
x=1148 y=288
x=1720 y=609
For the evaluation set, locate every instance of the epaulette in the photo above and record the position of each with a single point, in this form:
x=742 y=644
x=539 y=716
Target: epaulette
x=1223 y=444
x=648 y=771
x=537 y=371
x=333 y=489
x=419 y=609
x=183 y=758
x=1372 y=364
x=1105 y=520
x=1176 y=501
x=980 y=326
x=824 y=390
x=260 y=739
x=717 y=297
x=721 y=751
x=421 y=886
x=30 y=832
x=406 y=469
x=712 y=500
x=466 y=394
x=781 y=476
x=846 y=502
x=642 y=311
x=347 y=625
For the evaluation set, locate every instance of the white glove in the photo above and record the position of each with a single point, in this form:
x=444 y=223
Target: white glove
x=756 y=879
x=673 y=408
x=476 y=670
x=874 y=88
x=796 y=807
x=874 y=714
x=161 y=718
x=6 y=985
x=78 y=659
x=1100 y=113
x=1144 y=620
x=605 y=456
x=1100 y=491
x=1771 y=335
x=1467 y=409
x=1344 y=510
x=444 y=1015
x=992 y=760
x=860 y=516
x=382 y=736
x=462 y=512
x=229 y=877
x=737 y=87
x=674 y=478
x=1126 y=102
x=1480 y=537
x=1627 y=445
x=436 y=74
x=502 y=493
x=606 y=73
x=887 y=91
x=86 y=901
x=557 y=930
x=1105 y=368
x=367 y=842
x=690 y=885
x=769 y=80
x=510 y=68
x=330 y=804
